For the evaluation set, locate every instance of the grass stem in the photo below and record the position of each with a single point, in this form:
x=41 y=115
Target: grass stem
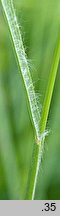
x=38 y=149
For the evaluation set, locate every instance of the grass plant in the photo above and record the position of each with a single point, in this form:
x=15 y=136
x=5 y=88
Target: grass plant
x=39 y=118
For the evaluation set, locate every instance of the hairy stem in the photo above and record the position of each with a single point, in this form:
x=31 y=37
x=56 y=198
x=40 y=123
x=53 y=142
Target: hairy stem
x=22 y=61
x=23 y=64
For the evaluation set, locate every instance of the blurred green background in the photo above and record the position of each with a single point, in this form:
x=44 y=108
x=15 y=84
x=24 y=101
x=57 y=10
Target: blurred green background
x=40 y=24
